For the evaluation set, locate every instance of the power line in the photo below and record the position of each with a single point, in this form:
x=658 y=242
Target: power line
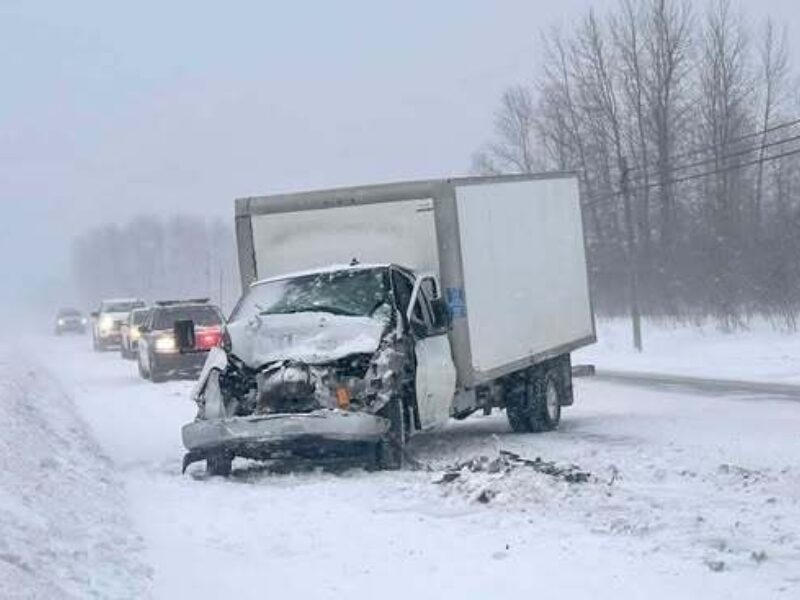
x=734 y=140
x=706 y=161
x=697 y=175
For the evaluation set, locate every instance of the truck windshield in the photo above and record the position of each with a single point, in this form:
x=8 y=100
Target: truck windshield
x=358 y=292
x=138 y=316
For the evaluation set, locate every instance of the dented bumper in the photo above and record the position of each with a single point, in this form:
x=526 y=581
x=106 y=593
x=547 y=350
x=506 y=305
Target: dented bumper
x=259 y=436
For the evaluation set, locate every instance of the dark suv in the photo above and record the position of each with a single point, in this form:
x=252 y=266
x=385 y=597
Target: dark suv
x=158 y=353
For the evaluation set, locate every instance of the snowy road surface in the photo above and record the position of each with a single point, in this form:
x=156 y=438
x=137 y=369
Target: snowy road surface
x=708 y=385
x=692 y=496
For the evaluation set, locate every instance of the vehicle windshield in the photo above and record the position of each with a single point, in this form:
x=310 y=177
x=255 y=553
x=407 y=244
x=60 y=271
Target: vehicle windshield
x=203 y=316
x=137 y=317
x=122 y=306
x=69 y=312
x=359 y=292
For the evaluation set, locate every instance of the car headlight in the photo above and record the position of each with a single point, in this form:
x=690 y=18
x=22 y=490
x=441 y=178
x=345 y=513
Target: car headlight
x=135 y=334
x=165 y=344
x=61 y=321
x=83 y=321
x=106 y=322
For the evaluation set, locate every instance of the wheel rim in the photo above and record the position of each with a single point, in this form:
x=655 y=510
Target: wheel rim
x=552 y=402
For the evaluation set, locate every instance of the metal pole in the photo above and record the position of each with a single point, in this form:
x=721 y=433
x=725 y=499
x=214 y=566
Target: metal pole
x=221 y=299
x=633 y=270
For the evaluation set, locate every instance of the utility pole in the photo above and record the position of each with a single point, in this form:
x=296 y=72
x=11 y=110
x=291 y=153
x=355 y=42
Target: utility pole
x=633 y=269
x=221 y=299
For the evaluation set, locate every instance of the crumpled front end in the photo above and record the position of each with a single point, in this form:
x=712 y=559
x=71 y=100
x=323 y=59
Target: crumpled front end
x=290 y=406
x=278 y=435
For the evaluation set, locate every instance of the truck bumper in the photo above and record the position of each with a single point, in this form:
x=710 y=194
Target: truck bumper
x=175 y=365
x=268 y=436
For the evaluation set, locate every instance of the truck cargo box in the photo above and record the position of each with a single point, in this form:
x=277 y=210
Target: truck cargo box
x=508 y=251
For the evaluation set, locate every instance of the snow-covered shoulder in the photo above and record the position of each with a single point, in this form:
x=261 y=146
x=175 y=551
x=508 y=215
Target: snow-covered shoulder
x=63 y=526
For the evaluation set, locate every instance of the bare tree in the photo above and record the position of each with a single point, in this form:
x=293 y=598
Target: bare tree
x=628 y=29
x=156 y=259
x=668 y=43
x=514 y=148
x=683 y=99
x=726 y=93
x=773 y=73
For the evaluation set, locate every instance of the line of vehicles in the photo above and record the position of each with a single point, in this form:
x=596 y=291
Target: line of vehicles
x=146 y=333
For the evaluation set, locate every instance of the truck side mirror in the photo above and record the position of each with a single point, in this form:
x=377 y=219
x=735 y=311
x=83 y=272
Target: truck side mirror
x=184 y=335
x=441 y=314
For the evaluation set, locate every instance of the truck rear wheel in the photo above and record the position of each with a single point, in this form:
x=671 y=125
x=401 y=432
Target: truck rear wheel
x=142 y=371
x=533 y=402
x=219 y=465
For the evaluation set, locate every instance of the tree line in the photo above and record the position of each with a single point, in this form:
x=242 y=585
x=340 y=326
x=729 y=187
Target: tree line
x=682 y=122
x=157 y=259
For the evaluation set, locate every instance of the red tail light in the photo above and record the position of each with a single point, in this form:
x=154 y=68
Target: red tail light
x=207 y=337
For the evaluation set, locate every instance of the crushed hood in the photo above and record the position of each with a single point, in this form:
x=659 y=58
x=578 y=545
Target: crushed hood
x=309 y=337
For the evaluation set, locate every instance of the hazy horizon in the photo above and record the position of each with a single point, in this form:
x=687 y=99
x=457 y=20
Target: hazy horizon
x=179 y=108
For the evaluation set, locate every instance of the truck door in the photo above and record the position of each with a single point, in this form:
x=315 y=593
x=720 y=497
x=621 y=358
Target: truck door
x=436 y=373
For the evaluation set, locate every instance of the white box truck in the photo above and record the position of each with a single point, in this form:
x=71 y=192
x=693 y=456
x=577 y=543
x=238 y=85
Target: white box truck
x=370 y=313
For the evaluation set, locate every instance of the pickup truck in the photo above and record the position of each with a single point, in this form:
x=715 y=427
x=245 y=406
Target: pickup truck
x=375 y=312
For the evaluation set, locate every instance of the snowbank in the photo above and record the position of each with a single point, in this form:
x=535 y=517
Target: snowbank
x=760 y=353
x=63 y=530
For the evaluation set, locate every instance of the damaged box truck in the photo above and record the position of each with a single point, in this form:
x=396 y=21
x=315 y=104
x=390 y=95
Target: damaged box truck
x=371 y=313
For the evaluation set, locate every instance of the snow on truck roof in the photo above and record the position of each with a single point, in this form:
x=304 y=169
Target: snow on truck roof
x=379 y=192
x=322 y=270
x=120 y=300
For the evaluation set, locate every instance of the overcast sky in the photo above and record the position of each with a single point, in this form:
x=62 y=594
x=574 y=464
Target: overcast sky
x=109 y=109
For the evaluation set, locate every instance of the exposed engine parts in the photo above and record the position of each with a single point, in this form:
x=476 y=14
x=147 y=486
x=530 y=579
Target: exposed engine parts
x=360 y=382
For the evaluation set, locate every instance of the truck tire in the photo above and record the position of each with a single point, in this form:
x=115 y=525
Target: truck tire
x=391 y=448
x=219 y=465
x=516 y=401
x=533 y=401
x=142 y=373
x=546 y=412
x=156 y=375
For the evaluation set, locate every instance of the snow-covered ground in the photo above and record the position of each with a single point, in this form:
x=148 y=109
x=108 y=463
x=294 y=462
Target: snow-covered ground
x=690 y=496
x=65 y=530
x=760 y=353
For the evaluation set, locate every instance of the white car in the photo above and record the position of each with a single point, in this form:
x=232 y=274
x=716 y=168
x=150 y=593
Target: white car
x=108 y=319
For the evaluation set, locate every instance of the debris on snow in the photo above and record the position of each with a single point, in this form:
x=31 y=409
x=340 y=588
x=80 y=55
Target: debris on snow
x=507 y=461
x=716 y=565
x=484 y=478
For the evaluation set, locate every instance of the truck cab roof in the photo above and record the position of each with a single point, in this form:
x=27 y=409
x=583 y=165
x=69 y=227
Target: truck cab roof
x=329 y=269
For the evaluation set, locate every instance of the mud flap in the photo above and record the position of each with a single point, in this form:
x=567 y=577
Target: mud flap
x=191 y=458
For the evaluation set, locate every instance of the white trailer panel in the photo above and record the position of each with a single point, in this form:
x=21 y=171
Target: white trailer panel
x=524 y=270
x=401 y=232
